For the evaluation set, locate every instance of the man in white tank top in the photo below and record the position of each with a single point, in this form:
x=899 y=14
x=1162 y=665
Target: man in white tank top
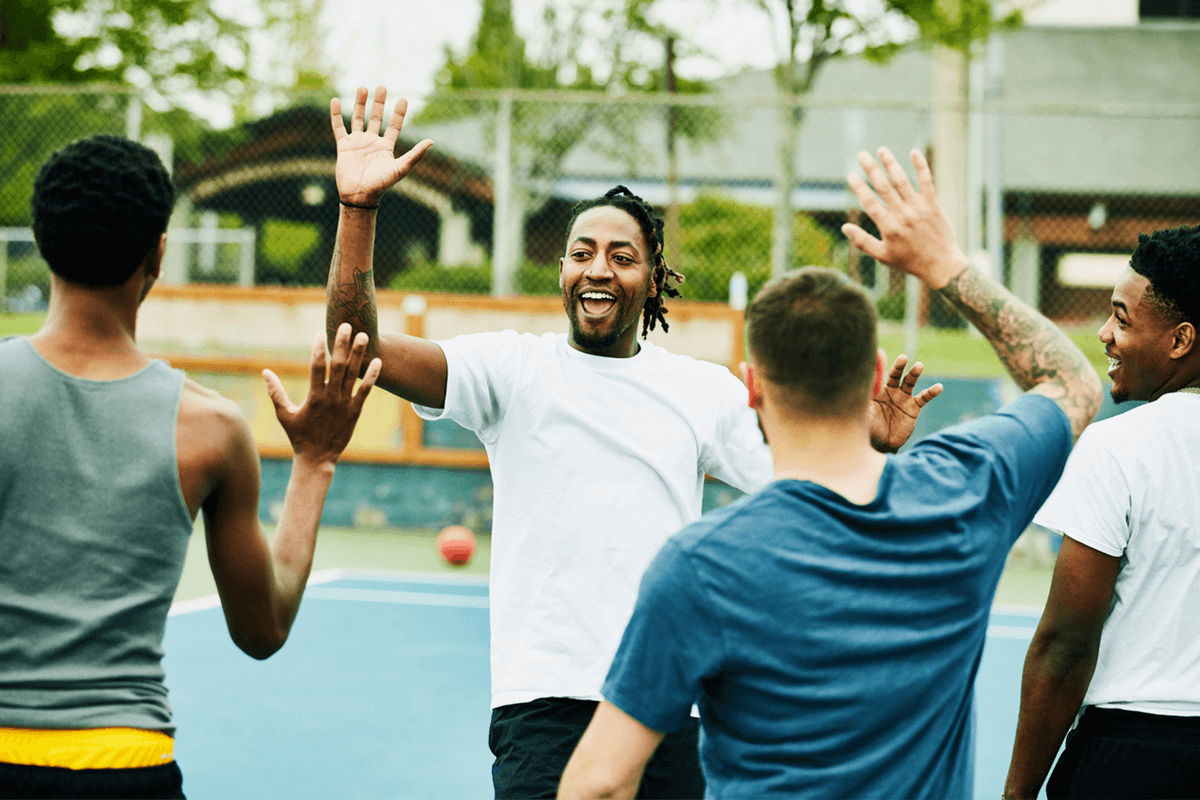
x=1119 y=640
x=83 y=709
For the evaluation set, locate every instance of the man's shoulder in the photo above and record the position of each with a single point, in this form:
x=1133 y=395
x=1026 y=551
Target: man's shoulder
x=210 y=410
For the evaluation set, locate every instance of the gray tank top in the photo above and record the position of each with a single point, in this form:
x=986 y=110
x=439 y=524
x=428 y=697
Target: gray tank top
x=93 y=532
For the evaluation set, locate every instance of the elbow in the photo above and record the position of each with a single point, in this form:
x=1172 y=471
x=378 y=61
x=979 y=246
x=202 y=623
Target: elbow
x=261 y=646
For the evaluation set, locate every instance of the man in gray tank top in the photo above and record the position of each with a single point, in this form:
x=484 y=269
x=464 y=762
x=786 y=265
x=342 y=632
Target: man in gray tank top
x=106 y=458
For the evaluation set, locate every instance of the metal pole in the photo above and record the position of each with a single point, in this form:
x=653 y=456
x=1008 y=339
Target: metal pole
x=503 y=247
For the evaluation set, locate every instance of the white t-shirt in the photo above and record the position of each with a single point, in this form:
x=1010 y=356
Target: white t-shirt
x=1131 y=488
x=595 y=462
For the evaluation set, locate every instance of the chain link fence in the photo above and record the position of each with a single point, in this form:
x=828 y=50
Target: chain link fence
x=1056 y=195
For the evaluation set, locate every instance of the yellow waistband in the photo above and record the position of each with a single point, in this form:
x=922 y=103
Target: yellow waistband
x=86 y=748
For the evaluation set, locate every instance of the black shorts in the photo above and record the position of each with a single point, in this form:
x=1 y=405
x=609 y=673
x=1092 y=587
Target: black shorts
x=1124 y=754
x=135 y=783
x=533 y=741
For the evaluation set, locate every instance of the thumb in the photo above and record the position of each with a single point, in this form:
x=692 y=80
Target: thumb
x=279 y=396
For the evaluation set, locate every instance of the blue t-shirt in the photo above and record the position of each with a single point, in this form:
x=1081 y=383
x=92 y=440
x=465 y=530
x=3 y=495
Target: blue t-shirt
x=832 y=647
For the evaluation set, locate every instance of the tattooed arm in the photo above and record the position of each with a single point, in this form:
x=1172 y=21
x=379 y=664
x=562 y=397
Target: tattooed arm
x=413 y=368
x=915 y=237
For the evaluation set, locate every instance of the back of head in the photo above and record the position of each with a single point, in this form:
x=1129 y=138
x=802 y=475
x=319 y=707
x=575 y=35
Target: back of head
x=1170 y=261
x=99 y=205
x=812 y=334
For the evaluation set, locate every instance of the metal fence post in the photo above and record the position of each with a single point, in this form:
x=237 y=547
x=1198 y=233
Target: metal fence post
x=503 y=246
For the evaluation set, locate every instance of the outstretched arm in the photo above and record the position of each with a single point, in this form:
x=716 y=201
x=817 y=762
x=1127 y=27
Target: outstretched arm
x=261 y=582
x=413 y=368
x=1060 y=662
x=915 y=237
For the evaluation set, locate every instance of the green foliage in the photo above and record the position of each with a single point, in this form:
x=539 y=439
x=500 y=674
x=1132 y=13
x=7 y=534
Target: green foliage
x=46 y=122
x=428 y=276
x=720 y=236
x=283 y=247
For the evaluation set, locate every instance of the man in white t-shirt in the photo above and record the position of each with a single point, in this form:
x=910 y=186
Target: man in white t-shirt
x=1120 y=636
x=598 y=446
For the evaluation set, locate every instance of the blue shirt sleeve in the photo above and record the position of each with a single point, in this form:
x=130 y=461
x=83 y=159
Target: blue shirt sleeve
x=1022 y=449
x=672 y=643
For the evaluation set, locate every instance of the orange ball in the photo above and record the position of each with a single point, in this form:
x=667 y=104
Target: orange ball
x=456 y=544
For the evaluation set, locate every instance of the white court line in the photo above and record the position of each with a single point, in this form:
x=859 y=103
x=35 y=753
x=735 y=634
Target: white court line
x=1010 y=632
x=398 y=597
x=214 y=601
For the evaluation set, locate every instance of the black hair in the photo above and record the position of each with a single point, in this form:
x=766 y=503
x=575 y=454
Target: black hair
x=1170 y=260
x=654 y=311
x=812 y=332
x=99 y=205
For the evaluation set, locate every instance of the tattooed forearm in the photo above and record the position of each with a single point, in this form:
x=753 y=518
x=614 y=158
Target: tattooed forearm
x=351 y=300
x=1033 y=350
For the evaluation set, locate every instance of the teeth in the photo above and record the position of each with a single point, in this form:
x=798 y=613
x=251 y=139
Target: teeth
x=1113 y=363
x=597 y=296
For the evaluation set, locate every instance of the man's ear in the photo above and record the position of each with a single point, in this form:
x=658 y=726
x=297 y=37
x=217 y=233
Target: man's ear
x=560 y=275
x=750 y=378
x=1183 y=339
x=154 y=262
x=880 y=371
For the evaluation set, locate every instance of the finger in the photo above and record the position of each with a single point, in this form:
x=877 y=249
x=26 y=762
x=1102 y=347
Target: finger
x=376 y=119
x=364 y=388
x=407 y=161
x=910 y=380
x=863 y=241
x=879 y=180
x=279 y=396
x=924 y=174
x=897 y=370
x=396 y=123
x=360 y=109
x=927 y=394
x=316 y=376
x=339 y=356
x=358 y=351
x=897 y=175
x=339 y=124
x=866 y=198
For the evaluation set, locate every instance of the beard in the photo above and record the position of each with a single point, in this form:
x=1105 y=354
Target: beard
x=595 y=340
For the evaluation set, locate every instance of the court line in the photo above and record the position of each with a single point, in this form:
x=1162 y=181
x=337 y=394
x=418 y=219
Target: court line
x=397 y=597
x=210 y=601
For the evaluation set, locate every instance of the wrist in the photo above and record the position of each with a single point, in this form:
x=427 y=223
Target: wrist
x=360 y=204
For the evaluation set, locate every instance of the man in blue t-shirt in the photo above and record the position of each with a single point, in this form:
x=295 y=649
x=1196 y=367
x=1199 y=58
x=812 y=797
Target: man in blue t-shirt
x=830 y=626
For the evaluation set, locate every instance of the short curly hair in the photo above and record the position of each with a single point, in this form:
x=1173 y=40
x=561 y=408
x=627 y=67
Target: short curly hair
x=99 y=205
x=1170 y=260
x=655 y=310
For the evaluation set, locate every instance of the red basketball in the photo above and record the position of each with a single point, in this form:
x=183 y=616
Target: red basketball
x=456 y=544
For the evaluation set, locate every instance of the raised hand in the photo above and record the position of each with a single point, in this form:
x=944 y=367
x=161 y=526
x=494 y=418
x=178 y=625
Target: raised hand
x=914 y=234
x=366 y=162
x=895 y=409
x=320 y=428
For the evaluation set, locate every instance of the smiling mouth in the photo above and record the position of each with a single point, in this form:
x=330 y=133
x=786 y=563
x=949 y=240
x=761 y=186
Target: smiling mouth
x=597 y=303
x=1113 y=363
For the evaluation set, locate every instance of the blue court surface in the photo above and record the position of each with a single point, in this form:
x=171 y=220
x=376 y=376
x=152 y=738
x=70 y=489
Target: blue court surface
x=382 y=692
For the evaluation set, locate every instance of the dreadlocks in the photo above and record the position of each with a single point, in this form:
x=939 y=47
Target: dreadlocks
x=654 y=311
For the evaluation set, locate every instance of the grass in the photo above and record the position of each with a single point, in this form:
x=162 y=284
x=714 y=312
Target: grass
x=20 y=324
x=963 y=354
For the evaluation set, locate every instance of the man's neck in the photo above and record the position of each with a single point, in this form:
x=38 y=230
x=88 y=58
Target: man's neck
x=832 y=452
x=90 y=333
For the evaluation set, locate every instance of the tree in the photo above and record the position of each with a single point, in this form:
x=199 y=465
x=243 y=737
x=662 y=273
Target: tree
x=808 y=33
x=590 y=47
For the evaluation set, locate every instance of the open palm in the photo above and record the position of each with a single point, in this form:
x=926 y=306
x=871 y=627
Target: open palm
x=895 y=409
x=366 y=164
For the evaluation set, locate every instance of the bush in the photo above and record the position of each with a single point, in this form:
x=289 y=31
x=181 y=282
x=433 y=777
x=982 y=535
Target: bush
x=720 y=236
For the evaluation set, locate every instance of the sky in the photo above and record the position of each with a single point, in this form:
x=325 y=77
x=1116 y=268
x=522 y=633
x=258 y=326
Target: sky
x=401 y=43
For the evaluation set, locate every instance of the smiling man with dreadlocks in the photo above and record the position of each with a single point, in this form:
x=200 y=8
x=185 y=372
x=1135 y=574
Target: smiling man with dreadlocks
x=598 y=445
